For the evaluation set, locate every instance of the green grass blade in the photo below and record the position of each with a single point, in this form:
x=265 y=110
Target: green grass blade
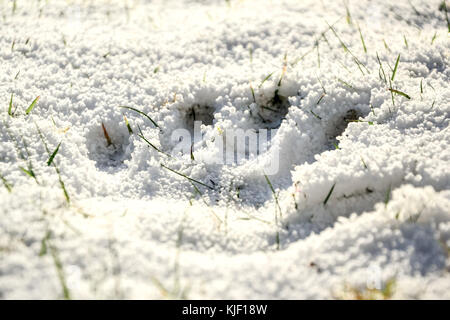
x=265 y=79
x=142 y=113
x=274 y=193
x=253 y=93
x=63 y=187
x=400 y=93
x=329 y=194
x=188 y=178
x=141 y=135
x=53 y=155
x=29 y=172
x=130 y=131
x=60 y=272
x=10 y=105
x=388 y=196
x=362 y=39
x=32 y=105
x=395 y=68
x=7 y=185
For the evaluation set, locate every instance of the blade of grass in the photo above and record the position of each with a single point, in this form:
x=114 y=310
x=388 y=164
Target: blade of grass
x=265 y=79
x=346 y=49
x=382 y=69
x=105 y=133
x=188 y=178
x=130 y=131
x=10 y=105
x=142 y=113
x=61 y=182
x=253 y=93
x=315 y=115
x=348 y=16
x=7 y=185
x=29 y=172
x=274 y=194
x=32 y=105
x=388 y=196
x=400 y=93
x=141 y=135
x=395 y=68
x=363 y=162
x=329 y=194
x=197 y=190
x=434 y=37
x=60 y=272
x=53 y=155
x=278 y=208
x=362 y=39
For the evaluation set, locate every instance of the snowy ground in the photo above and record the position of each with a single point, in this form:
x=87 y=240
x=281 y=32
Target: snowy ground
x=363 y=206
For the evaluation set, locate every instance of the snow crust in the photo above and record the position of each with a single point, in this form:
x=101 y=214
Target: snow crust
x=135 y=229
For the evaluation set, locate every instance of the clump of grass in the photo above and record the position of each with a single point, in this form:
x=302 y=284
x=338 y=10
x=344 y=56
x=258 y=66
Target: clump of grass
x=321 y=35
x=353 y=293
x=346 y=49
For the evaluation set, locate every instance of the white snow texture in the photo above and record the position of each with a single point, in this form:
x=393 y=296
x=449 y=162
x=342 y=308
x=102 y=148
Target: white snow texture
x=360 y=206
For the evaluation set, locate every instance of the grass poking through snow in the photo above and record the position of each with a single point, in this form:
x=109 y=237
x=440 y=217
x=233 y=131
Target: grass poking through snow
x=329 y=194
x=141 y=113
x=7 y=185
x=277 y=210
x=50 y=161
x=32 y=105
x=141 y=135
x=188 y=178
x=395 y=68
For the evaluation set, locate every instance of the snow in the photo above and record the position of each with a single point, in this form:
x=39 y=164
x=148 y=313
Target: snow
x=134 y=229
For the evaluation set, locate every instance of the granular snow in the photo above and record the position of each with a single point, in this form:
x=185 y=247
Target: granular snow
x=361 y=199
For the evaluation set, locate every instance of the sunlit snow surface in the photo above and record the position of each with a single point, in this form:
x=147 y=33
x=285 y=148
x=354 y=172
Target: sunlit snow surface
x=137 y=230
